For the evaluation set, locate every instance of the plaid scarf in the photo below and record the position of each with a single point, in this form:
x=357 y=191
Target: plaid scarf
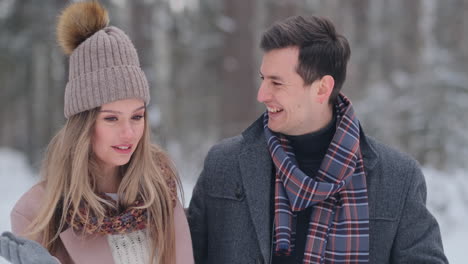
x=339 y=222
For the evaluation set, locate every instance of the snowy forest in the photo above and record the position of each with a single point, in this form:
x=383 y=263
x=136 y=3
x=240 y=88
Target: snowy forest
x=407 y=78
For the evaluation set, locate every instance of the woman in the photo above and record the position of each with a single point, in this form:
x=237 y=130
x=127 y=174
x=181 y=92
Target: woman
x=108 y=194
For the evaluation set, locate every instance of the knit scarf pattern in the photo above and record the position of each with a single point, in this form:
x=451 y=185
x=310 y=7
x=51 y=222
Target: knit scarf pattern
x=339 y=223
x=117 y=221
x=114 y=222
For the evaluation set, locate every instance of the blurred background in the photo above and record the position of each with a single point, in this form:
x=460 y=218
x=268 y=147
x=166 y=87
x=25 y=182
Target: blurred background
x=407 y=78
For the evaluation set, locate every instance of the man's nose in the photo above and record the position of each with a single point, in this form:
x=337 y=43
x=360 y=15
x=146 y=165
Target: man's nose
x=263 y=94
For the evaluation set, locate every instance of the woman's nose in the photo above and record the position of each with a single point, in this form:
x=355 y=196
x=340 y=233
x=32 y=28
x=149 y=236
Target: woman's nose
x=127 y=131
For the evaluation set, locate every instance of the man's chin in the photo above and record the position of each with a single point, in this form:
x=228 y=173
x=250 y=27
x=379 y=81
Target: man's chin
x=274 y=128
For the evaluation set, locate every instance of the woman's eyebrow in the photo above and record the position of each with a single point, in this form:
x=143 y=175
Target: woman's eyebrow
x=118 y=112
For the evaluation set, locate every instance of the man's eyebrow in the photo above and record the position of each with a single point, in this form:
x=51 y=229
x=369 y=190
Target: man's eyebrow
x=272 y=77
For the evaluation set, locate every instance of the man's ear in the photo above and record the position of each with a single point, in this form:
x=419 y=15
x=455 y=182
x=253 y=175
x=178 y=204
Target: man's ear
x=325 y=88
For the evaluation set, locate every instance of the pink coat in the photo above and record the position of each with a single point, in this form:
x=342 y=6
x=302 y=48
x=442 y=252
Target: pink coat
x=75 y=249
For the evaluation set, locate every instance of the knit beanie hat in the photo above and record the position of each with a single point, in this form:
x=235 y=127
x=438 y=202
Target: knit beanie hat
x=104 y=65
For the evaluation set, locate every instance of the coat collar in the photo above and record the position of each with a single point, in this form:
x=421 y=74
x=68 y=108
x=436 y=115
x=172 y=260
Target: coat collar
x=257 y=172
x=91 y=249
x=369 y=154
x=255 y=141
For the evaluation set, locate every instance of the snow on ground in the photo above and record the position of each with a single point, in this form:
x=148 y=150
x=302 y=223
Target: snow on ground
x=447 y=199
x=16 y=177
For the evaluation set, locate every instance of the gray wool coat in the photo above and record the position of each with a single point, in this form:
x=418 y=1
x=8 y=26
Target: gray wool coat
x=230 y=219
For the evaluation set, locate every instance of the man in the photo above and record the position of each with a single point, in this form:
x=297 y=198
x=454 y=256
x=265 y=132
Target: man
x=304 y=183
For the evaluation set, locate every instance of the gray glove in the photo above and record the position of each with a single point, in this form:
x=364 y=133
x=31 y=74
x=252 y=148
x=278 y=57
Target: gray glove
x=23 y=251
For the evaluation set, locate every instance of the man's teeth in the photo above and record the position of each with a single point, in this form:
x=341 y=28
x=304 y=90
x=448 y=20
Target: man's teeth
x=120 y=147
x=273 y=110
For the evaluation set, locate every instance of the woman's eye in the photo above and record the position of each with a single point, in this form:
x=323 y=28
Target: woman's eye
x=137 y=117
x=110 y=118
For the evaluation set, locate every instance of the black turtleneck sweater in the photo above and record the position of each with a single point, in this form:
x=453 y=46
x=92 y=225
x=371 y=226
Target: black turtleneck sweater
x=309 y=150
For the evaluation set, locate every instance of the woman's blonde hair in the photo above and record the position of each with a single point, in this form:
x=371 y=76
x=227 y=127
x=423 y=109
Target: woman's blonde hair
x=69 y=171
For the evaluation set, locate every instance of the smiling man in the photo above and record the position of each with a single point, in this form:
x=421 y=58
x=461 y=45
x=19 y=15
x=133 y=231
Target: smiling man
x=304 y=183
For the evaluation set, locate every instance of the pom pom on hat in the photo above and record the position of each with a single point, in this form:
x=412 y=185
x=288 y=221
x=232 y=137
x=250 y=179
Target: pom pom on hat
x=78 y=22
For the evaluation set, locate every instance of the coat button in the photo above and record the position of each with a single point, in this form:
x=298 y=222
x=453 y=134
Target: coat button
x=239 y=192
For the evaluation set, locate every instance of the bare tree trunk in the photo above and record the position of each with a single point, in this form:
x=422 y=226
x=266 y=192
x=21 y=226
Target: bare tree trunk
x=238 y=99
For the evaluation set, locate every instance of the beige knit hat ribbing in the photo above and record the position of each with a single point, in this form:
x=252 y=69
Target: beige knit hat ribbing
x=103 y=68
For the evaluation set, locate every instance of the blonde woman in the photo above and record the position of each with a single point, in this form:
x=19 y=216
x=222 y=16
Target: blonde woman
x=108 y=195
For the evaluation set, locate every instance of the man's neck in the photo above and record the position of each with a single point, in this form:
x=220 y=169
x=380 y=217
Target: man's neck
x=313 y=145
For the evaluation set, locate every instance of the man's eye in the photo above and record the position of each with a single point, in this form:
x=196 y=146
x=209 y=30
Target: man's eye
x=110 y=118
x=277 y=83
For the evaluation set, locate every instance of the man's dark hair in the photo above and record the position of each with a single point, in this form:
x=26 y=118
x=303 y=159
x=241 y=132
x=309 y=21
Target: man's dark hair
x=321 y=50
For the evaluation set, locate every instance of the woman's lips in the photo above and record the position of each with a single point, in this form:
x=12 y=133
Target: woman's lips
x=123 y=149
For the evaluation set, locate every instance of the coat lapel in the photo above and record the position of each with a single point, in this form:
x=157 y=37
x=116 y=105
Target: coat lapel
x=93 y=249
x=256 y=169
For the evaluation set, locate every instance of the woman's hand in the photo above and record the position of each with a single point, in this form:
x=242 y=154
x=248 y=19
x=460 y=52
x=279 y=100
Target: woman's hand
x=23 y=251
